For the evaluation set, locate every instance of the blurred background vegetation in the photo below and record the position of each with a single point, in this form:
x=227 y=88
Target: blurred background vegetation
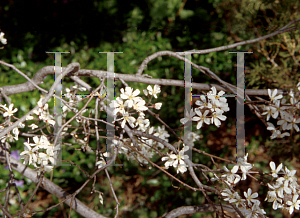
x=138 y=29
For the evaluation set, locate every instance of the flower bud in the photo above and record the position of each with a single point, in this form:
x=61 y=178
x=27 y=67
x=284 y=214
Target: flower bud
x=157 y=106
x=145 y=92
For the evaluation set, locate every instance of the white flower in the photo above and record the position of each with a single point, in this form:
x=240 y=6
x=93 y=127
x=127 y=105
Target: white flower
x=29 y=117
x=41 y=108
x=47 y=118
x=273 y=96
x=278 y=134
x=254 y=212
x=51 y=149
x=139 y=105
x=42 y=168
x=285 y=122
x=193 y=136
x=181 y=169
x=272 y=197
x=169 y=161
x=33 y=126
x=245 y=167
x=214 y=104
x=295 y=125
x=188 y=116
x=129 y=119
x=69 y=93
x=224 y=106
x=154 y=91
x=101 y=163
x=249 y=197
x=231 y=177
x=231 y=197
x=201 y=118
x=275 y=134
x=269 y=111
x=212 y=95
x=290 y=176
x=47 y=157
x=283 y=186
x=203 y=103
x=41 y=142
x=294 y=204
x=142 y=123
x=130 y=95
x=274 y=170
x=216 y=116
x=2 y=39
x=178 y=158
x=271 y=126
x=118 y=105
x=21 y=125
x=101 y=198
x=9 y=111
x=16 y=133
x=161 y=133
x=29 y=155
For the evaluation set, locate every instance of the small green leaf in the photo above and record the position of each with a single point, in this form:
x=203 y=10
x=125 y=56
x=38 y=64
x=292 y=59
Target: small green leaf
x=184 y=14
x=154 y=182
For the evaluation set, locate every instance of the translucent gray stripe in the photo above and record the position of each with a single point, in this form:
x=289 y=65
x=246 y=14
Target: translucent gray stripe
x=240 y=112
x=187 y=105
x=109 y=97
x=58 y=108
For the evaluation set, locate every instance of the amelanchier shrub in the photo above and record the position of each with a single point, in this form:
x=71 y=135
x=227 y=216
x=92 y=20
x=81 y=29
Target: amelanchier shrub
x=131 y=133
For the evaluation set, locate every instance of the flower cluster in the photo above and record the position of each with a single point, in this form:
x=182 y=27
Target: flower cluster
x=9 y=112
x=32 y=154
x=231 y=177
x=39 y=154
x=284 y=192
x=124 y=107
x=215 y=104
x=133 y=101
x=146 y=146
x=284 y=112
x=43 y=113
x=73 y=98
x=72 y=91
x=249 y=206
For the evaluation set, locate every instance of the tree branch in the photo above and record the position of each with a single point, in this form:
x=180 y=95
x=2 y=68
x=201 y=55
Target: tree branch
x=49 y=70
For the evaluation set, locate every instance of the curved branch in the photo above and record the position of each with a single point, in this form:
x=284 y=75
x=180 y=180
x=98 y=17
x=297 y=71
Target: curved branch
x=49 y=70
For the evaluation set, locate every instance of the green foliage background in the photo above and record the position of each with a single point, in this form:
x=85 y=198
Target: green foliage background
x=140 y=28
